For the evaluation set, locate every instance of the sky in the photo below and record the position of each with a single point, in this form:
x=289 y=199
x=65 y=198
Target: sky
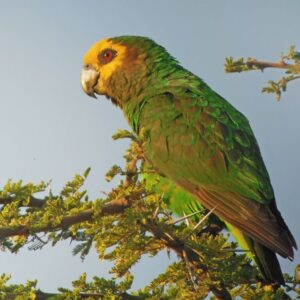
x=51 y=130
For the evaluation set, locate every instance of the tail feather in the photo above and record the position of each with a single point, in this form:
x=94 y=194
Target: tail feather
x=265 y=259
x=267 y=262
x=282 y=223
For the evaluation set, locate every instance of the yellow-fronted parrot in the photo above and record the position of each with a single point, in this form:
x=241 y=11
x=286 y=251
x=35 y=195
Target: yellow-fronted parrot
x=195 y=138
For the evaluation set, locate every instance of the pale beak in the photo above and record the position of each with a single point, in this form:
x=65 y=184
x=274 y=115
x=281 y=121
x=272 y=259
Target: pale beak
x=89 y=79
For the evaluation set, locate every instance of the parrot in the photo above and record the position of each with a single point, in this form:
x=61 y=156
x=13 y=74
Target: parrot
x=196 y=139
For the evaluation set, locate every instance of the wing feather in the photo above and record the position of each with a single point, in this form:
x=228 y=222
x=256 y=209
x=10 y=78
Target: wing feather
x=207 y=146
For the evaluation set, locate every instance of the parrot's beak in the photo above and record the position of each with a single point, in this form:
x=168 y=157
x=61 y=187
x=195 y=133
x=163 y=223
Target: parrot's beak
x=89 y=79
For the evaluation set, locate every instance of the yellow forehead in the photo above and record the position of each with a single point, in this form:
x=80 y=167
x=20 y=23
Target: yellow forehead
x=91 y=57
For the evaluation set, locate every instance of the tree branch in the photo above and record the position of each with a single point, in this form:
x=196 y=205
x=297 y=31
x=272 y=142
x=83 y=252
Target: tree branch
x=254 y=63
x=33 y=202
x=116 y=206
x=275 y=87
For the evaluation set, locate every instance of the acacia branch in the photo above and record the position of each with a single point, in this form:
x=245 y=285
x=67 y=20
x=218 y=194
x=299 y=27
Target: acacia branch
x=116 y=206
x=254 y=63
x=113 y=207
x=32 y=201
x=292 y=69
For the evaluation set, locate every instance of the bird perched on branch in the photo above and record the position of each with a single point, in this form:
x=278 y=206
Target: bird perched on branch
x=195 y=138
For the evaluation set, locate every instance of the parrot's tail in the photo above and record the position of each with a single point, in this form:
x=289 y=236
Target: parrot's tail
x=267 y=262
x=265 y=259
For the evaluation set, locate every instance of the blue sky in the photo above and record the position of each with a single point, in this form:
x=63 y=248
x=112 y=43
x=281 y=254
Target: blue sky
x=51 y=130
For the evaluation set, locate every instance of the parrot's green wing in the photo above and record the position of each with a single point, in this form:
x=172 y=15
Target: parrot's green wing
x=206 y=146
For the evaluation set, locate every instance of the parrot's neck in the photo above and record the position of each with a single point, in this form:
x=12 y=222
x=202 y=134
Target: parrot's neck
x=133 y=109
x=176 y=83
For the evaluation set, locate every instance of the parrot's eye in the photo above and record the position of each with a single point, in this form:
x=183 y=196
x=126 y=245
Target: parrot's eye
x=107 y=55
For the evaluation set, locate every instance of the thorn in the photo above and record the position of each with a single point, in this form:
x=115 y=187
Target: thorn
x=187 y=263
x=197 y=252
x=168 y=253
x=162 y=197
x=186 y=220
x=156 y=212
x=158 y=207
x=200 y=222
x=168 y=236
x=185 y=217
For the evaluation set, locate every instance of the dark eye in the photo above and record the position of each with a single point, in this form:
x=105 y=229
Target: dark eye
x=107 y=55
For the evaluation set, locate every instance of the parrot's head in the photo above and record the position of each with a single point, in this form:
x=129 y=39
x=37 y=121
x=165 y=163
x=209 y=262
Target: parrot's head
x=123 y=67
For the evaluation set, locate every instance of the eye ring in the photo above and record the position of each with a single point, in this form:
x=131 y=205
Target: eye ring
x=107 y=55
